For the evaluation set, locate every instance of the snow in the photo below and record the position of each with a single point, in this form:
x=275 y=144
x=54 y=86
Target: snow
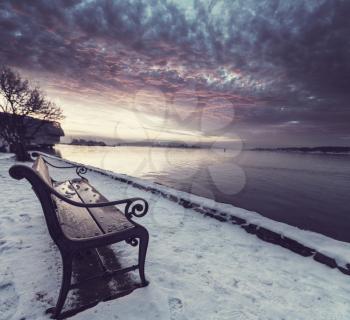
x=198 y=268
x=6 y=155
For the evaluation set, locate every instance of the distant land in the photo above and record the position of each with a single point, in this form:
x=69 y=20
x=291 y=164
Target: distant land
x=162 y=144
x=90 y=142
x=83 y=142
x=325 y=150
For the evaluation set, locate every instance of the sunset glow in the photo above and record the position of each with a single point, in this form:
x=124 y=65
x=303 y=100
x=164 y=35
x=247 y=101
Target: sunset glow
x=161 y=67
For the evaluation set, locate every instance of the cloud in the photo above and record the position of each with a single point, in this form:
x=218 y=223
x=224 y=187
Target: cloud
x=274 y=60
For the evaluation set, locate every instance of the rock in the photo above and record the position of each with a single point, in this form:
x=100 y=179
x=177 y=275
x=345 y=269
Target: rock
x=269 y=236
x=330 y=262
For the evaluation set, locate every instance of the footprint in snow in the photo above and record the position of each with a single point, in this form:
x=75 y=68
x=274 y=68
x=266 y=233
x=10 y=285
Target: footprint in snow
x=8 y=300
x=25 y=217
x=176 y=309
x=3 y=246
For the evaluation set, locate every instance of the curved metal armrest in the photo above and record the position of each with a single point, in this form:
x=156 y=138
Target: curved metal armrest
x=79 y=170
x=137 y=207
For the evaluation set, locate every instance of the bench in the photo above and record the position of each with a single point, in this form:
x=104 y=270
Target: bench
x=78 y=218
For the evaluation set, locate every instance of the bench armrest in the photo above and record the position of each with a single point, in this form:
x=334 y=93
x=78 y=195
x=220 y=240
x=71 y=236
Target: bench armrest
x=136 y=207
x=79 y=170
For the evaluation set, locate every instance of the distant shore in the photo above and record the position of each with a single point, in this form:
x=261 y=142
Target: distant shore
x=315 y=150
x=83 y=142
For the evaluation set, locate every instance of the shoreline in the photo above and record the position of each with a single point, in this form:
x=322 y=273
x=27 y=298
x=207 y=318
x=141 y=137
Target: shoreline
x=325 y=250
x=189 y=256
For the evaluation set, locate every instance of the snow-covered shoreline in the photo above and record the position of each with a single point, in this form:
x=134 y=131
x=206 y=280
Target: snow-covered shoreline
x=333 y=253
x=198 y=267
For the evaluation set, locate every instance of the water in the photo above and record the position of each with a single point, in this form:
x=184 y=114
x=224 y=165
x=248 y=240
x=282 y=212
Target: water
x=309 y=191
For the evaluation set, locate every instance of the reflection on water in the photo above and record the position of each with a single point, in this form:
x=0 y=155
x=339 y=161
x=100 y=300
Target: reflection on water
x=308 y=191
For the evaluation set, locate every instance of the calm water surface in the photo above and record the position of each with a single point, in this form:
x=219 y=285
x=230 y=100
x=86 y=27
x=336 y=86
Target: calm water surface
x=306 y=190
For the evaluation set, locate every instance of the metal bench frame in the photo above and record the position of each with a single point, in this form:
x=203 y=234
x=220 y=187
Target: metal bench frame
x=134 y=207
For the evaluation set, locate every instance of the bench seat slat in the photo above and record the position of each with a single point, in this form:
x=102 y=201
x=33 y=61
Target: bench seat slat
x=110 y=219
x=75 y=222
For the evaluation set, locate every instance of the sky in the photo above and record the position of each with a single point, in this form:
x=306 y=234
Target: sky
x=253 y=72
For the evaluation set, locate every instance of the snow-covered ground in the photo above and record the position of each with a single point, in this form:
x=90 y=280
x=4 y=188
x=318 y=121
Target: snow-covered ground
x=198 y=268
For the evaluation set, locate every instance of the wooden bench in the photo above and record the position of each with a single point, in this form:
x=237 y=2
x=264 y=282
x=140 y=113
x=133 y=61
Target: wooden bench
x=78 y=217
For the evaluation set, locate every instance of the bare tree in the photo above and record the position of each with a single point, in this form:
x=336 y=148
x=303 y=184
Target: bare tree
x=19 y=104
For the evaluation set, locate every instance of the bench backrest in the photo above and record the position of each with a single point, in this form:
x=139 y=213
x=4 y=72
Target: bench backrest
x=39 y=178
x=49 y=206
x=41 y=167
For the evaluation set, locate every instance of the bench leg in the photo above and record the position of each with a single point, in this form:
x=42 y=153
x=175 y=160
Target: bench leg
x=142 y=256
x=67 y=261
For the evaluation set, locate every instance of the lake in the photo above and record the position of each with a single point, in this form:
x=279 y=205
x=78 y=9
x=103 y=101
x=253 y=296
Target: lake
x=310 y=191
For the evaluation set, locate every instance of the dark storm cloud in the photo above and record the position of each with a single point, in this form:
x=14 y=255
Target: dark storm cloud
x=307 y=41
x=290 y=56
